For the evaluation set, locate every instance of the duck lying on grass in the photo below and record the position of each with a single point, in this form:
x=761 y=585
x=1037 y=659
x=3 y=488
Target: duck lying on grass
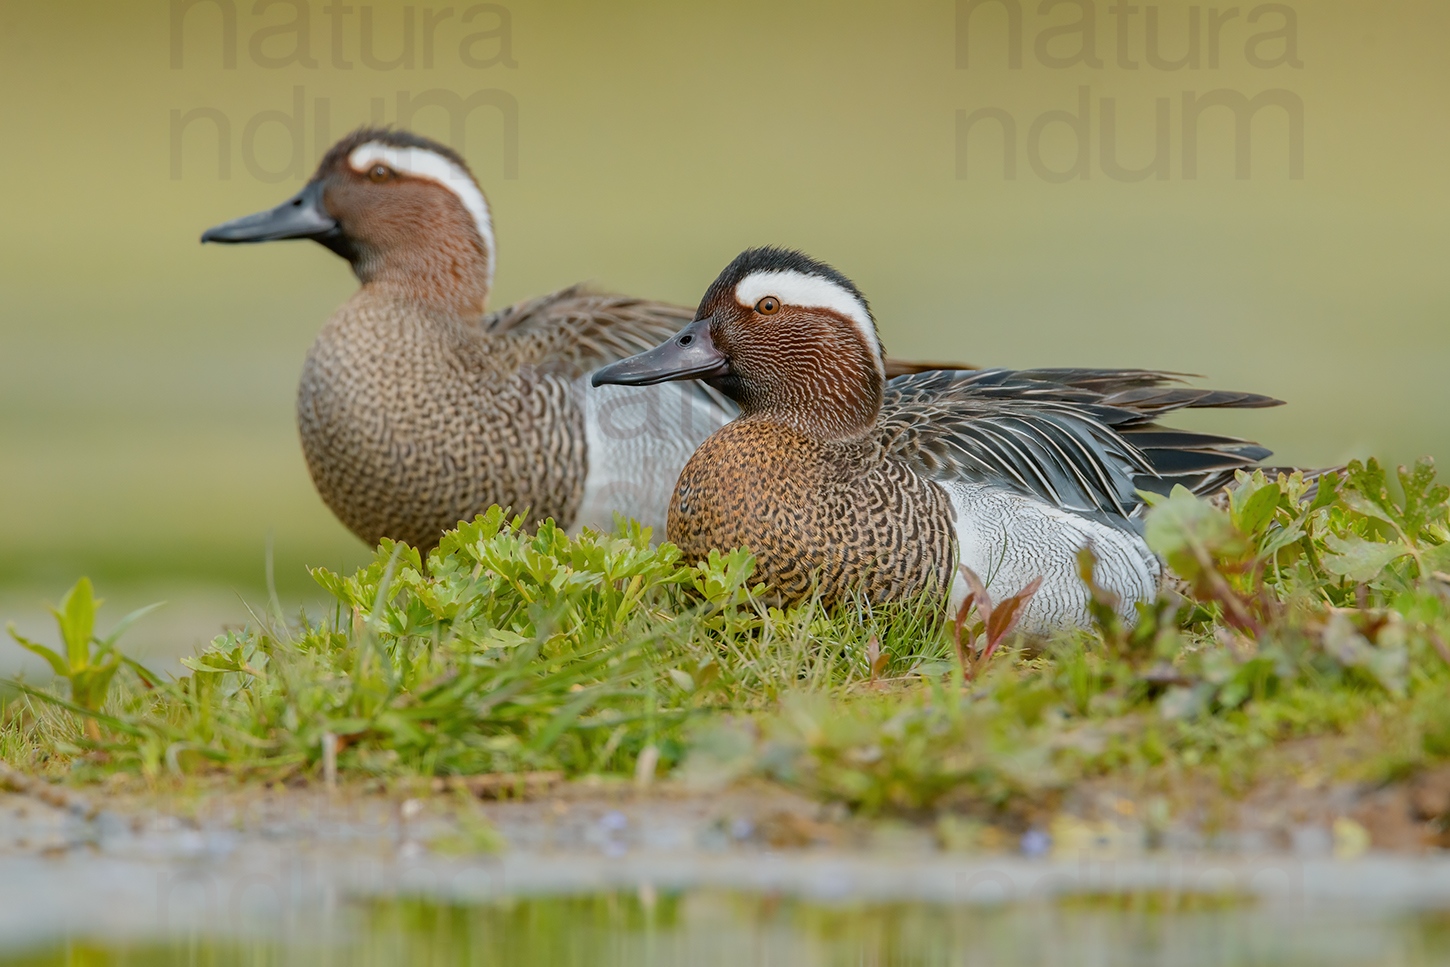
x=418 y=408
x=842 y=481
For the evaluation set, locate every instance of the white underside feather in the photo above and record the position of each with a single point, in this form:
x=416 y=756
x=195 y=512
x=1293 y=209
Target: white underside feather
x=1009 y=540
x=639 y=439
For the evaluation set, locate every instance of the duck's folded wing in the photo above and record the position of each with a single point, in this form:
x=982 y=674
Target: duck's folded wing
x=578 y=330
x=1084 y=440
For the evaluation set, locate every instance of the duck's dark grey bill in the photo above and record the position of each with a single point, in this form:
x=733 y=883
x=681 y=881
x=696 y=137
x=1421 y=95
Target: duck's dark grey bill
x=301 y=216
x=690 y=354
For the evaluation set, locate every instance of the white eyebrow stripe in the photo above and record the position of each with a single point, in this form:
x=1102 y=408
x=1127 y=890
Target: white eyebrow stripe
x=794 y=288
x=422 y=163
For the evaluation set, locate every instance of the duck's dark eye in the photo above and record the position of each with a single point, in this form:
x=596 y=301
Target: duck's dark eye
x=380 y=173
x=768 y=306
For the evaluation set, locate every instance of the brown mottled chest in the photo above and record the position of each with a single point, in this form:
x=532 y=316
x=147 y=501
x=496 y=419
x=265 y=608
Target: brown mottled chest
x=409 y=427
x=841 y=514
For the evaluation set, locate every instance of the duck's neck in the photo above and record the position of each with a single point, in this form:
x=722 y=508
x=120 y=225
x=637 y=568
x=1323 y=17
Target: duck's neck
x=449 y=275
x=820 y=403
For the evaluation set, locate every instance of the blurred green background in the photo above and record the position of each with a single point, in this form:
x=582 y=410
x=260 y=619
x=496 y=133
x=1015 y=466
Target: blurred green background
x=146 y=382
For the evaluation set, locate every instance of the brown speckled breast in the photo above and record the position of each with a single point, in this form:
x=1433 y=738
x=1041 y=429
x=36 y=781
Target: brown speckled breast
x=410 y=424
x=841 y=510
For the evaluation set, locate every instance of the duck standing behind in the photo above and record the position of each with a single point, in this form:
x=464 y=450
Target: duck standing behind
x=418 y=408
x=842 y=482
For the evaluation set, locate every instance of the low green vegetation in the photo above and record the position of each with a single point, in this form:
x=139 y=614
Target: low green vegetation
x=1300 y=609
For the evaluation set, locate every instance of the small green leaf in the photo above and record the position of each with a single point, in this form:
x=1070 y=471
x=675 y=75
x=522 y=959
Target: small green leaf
x=216 y=661
x=1253 y=507
x=1437 y=558
x=77 y=619
x=1366 y=491
x=1183 y=530
x=1425 y=500
x=1360 y=560
x=1328 y=489
x=56 y=662
x=1282 y=537
x=88 y=688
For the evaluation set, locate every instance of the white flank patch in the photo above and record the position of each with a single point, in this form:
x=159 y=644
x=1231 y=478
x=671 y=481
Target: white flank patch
x=794 y=288
x=422 y=163
x=639 y=438
x=1008 y=540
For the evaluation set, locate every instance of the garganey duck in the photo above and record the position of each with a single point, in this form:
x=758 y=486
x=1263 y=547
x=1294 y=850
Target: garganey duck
x=418 y=408
x=842 y=481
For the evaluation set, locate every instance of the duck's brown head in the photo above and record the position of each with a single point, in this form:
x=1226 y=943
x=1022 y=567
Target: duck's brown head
x=403 y=210
x=785 y=336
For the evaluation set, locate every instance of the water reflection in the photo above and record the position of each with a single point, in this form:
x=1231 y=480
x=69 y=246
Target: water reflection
x=704 y=929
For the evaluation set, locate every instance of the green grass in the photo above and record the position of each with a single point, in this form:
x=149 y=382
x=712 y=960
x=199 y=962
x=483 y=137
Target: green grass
x=1302 y=613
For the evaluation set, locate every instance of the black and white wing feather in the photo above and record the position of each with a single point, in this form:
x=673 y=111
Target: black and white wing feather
x=1081 y=439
